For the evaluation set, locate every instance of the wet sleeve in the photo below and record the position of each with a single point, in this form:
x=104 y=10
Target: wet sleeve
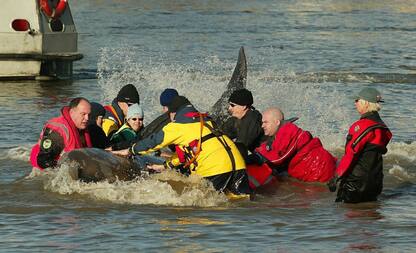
x=250 y=132
x=352 y=153
x=51 y=146
x=155 y=126
x=123 y=140
x=229 y=129
x=168 y=135
x=283 y=146
x=98 y=137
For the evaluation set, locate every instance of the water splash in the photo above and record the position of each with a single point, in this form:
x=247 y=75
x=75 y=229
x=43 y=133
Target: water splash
x=400 y=161
x=151 y=76
x=20 y=153
x=402 y=174
x=317 y=103
x=168 y=189
x=403 y=151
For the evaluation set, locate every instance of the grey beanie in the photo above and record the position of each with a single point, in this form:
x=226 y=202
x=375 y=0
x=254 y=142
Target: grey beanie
x=135 y=110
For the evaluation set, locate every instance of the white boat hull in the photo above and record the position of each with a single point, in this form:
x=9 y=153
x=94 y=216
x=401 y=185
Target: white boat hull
x=40 y=51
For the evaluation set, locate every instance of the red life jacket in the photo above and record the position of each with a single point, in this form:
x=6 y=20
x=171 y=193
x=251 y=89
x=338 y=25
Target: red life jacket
x=65 y=127
x=362 y=132
x=305 y=157
x=259 y=175
x=110 y=109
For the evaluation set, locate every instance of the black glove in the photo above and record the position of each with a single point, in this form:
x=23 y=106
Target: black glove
x=259 y=158
x=332 y=184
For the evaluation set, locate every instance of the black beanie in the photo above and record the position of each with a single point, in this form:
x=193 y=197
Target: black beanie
x=177 y=103
x=241 y=97
x=128 y=94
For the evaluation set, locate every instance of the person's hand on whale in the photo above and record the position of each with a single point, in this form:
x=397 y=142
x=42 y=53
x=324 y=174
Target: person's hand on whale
x=156 y=167
x=122 y=152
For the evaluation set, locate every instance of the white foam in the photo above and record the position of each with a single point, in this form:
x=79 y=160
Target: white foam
x=405 y=151
x=20 y=153
x=402 y=174
x=36 y=173
x=156 y=190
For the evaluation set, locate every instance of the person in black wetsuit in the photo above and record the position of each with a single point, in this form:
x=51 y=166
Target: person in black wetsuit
x=95 y=121
x=244 y=127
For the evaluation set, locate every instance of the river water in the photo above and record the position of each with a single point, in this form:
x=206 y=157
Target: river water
x=308 y=57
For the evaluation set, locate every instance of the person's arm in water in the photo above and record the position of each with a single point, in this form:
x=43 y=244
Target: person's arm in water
x=168 y=135
x=51 y=147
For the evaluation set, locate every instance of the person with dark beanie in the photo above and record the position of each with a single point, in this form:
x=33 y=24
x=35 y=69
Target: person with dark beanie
x=157 y=124
x=95 y=120
x=244 y=127
x=117 y=111
x=200 y=148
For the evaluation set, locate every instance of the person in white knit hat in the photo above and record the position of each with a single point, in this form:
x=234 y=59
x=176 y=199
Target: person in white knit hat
x=130 y=130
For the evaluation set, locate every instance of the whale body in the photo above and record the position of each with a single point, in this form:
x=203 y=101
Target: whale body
x=93 y=165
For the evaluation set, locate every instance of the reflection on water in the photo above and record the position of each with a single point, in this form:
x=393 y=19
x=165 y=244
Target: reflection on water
x=67 y=225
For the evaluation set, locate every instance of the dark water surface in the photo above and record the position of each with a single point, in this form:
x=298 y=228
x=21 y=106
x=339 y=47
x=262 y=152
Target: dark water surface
x=308 y=57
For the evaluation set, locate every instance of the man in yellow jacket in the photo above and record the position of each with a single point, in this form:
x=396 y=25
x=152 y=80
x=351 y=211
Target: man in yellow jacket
x=199 y=147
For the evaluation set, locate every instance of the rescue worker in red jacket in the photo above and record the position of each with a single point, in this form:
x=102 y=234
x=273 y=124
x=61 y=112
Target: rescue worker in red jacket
x=361 y=168
x=290 y=148
x=63 y=134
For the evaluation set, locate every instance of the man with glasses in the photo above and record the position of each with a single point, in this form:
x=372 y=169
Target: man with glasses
x=117 y=111
x=244 y=126
x=130 y=130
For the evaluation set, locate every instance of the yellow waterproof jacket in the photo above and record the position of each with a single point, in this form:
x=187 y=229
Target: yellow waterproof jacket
x=113 y=119
x=213 y=158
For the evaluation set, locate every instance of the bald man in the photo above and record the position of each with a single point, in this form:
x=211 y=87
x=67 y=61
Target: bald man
x=63 y=134
x=290 y=148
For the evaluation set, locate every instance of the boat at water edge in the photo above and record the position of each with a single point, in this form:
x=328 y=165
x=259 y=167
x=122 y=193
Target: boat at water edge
x=38 y=40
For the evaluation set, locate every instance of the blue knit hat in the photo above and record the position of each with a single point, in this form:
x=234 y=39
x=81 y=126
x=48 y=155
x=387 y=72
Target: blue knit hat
x=167 y=96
